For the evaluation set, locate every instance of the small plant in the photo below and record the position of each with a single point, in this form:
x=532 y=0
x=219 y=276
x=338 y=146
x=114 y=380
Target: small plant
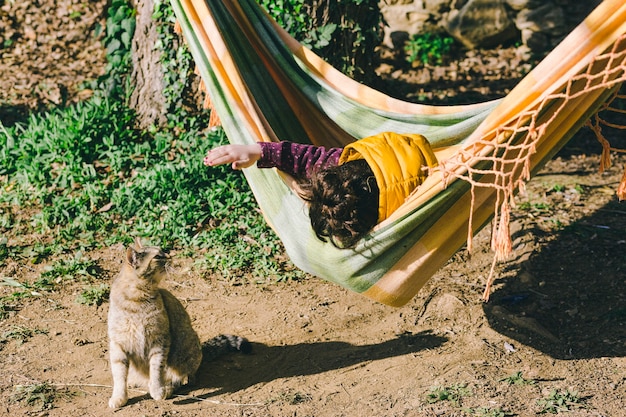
x=26 y=290
x=42 y=394
x=427 y=48
x=94 y=295
x=321 y=37
x=558 y=188
x=291 y=398
x=558 y=401
x=37 y=253
x=70 y=269
x=518 y=379
x=534 y=207
x=8 y=302
x=21 y=334
x=453 y=394
x=488 y=412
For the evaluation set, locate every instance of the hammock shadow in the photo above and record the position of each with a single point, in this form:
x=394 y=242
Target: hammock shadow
x=267 y=363
x=569 y=299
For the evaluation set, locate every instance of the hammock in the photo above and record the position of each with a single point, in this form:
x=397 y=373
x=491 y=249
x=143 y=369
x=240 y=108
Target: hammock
x=266 y=87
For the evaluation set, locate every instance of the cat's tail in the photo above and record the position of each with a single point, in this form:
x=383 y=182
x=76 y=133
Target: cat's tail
x=224 y=343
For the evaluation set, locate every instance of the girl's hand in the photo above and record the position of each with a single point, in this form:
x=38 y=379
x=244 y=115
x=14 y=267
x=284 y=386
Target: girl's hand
x=239 y=156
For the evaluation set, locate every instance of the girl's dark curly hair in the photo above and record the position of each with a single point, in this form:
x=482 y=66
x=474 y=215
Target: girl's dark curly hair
x=343 y=202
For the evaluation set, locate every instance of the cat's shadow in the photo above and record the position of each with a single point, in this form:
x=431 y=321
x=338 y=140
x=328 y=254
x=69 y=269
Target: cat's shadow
x=235 y=372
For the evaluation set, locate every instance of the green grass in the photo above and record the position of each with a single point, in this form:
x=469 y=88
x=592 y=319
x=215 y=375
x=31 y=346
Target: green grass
x=90 y=180
x=76 y=268
x=70 y=268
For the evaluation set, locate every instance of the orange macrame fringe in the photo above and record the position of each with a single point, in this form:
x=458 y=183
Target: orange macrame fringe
x=501 y=243
x=621 y=189
x=595 y=124
x=214 y=119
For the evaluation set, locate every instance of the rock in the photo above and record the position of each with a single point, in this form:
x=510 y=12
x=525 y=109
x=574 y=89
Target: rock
x=481 y=24
x=524 y=4
x=403 y=18
x=535 y=41
x=548 y=18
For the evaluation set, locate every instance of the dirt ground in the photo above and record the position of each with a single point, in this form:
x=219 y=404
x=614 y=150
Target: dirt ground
x=556 y=314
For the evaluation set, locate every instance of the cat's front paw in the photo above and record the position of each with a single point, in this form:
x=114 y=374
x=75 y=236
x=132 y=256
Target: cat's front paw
x=117 y=402
x=161 y=392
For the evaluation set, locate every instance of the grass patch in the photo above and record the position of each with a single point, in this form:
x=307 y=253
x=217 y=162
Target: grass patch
x=559 y=401
x=93 y=181
x=518 y=379
x=41 y=395
x=69 y=269
x=21 y=334
x=452 y=394
x=94 y=295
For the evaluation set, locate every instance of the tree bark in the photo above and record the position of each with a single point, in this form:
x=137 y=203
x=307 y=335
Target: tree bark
x=147 y=75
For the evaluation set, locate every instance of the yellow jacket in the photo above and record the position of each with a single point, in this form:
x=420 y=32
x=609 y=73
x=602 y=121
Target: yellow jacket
x=399 y=163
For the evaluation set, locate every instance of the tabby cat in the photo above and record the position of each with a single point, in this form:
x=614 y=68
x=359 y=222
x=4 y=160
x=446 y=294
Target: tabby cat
x=151 y=340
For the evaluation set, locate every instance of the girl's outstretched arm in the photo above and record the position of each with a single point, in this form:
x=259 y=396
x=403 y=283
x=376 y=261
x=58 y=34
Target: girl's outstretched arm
x=239 y=156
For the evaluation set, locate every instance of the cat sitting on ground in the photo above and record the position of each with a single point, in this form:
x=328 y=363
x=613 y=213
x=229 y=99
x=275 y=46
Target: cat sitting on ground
x=151 y=339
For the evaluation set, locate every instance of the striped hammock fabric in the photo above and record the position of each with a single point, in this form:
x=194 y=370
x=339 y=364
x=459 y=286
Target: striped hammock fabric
x=265 y=86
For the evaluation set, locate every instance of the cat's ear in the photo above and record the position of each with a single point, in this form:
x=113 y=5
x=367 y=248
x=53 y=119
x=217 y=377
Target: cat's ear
x=131 y=257
x=138 y=244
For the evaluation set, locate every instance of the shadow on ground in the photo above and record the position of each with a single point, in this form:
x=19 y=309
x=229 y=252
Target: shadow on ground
x=268 y=363
x=568 y=300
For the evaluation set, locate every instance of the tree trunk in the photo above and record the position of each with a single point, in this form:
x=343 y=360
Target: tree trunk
x=147 y=75
x=156 y=96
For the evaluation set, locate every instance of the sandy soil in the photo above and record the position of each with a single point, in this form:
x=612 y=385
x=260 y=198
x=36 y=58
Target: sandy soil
x=556 y=315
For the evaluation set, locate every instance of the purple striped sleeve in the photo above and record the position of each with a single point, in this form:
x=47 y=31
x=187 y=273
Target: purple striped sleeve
x=297 y=159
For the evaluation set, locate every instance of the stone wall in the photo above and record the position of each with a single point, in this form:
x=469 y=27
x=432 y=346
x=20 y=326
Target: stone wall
x=538 y=24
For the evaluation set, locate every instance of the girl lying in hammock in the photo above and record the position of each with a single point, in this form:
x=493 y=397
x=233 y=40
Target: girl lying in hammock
x=349 y=190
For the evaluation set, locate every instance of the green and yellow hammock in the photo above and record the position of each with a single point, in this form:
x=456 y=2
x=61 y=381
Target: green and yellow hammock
x=265 y=86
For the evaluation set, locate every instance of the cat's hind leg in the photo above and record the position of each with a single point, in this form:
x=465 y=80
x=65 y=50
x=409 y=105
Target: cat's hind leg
x=119 y=370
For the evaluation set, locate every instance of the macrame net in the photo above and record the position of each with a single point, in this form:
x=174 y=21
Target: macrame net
x=503 y=158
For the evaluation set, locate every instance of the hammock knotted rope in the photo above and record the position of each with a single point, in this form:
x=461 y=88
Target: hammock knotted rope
x=266 y=87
